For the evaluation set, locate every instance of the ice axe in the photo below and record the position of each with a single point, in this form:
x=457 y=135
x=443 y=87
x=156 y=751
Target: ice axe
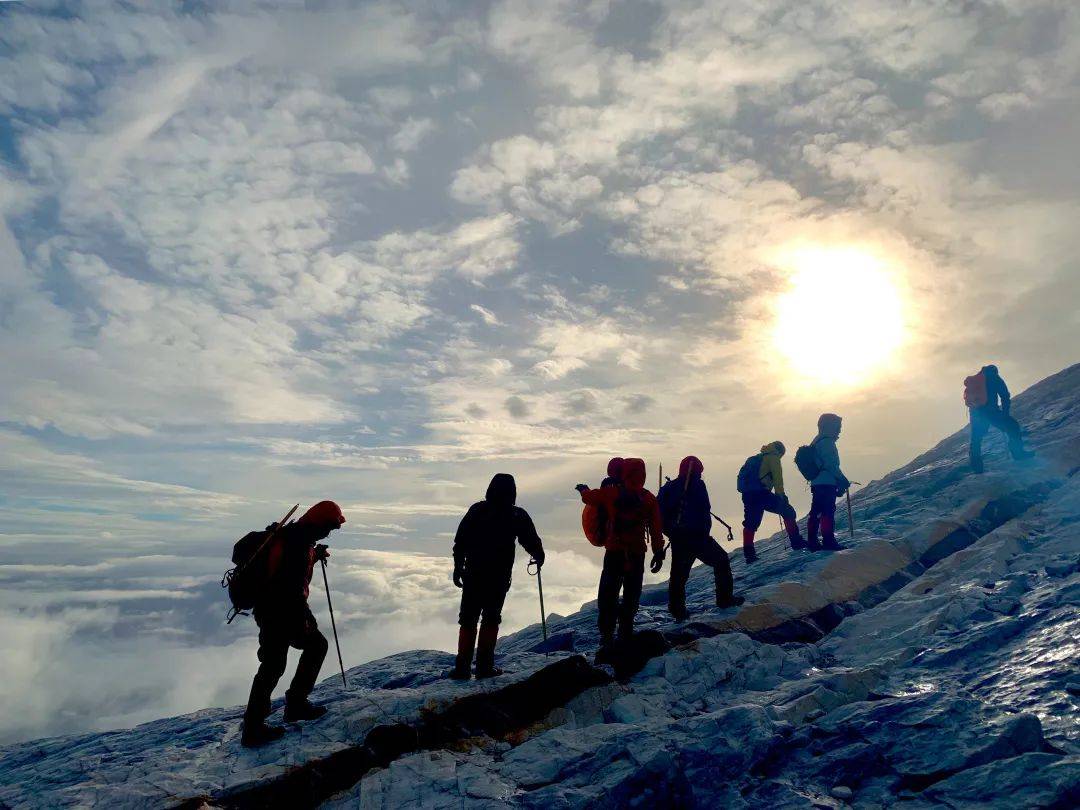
x=333 y=624
x=730 y=534
x=540 y=587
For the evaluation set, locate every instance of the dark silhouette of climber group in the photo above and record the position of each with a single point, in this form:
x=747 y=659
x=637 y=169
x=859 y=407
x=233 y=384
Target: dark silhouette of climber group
x=621 y=516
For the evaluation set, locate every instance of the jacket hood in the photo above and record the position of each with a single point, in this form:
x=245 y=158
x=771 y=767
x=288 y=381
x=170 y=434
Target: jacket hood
x=828 y=424
x=774 y=448
x=692 y=466
x=633 y=473
x=990 y=371
x=615 y=468
x=502 y=490
x=323 y=514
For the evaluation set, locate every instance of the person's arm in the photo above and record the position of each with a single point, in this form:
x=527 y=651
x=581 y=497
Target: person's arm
x=1003 y=392
x=527 y=536
x=707 y=504
x=597 y=497
x=830 y=462
x=462 y=543
x=656 y=526
x=770 y=475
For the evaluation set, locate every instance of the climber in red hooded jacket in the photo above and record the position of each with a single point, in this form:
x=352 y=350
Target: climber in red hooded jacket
x=634 y=524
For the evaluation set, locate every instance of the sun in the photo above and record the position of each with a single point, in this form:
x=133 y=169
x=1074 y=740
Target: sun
x=841 y=319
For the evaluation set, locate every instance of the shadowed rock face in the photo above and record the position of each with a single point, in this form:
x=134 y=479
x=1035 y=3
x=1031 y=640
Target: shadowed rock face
x=932 y=662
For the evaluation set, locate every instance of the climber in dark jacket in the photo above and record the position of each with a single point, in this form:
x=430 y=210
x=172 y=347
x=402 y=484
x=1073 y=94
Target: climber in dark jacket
x=483 y=563
x=992 y=414
x=285 y=620
x=686 y=515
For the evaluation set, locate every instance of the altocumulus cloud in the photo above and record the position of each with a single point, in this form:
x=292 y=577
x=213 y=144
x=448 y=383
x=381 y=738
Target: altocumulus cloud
x=378 y=251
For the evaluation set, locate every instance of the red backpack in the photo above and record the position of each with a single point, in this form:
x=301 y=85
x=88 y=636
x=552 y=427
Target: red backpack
x=975 y=395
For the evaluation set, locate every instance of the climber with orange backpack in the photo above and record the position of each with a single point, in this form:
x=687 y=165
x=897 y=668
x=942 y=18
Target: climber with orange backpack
x=634 y=519
x=982 y=394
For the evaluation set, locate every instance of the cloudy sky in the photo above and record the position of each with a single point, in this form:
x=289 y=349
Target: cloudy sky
x=259 y=253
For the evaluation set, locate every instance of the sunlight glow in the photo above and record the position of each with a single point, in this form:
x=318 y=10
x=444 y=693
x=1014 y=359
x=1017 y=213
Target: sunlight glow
x=842 y=317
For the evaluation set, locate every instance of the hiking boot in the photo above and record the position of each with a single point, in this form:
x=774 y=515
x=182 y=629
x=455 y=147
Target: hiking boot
x=731 y=602
x=460 y=674
x=466 y=648
x=297 y=710
x=797 y=544
x=254 y=734
x=831 y=545
x=812 y=544
x=605 y=650
x=487 y=672
x=749 y=555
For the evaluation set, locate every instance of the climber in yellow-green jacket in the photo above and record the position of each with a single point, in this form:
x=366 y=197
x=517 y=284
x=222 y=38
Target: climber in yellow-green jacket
x=761 y=482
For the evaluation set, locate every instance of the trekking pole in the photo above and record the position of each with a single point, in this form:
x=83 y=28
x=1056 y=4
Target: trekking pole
x=540 y=587
x=333 y=624
x=730 y=535
x=850 y=520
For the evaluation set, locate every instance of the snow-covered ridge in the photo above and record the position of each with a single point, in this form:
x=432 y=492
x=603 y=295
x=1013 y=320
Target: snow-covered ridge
x=935 y=662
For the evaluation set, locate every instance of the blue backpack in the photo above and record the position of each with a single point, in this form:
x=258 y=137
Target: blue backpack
x=749 y=479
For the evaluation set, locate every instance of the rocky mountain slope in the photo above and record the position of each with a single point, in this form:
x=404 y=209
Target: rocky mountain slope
x=935 y=662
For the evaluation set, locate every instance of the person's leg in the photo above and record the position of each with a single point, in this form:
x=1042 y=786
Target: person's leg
x=813 y=520
x=273 y=652
x=607 y=597
x=828 y=518
x=778 y=505
x=682 y=560
x=1011 y=428
x=313 y=646
x=710 y=553
x=489 y=630
x=633 y=576
x=468 y=616
x=753 y=512
x=979 y=427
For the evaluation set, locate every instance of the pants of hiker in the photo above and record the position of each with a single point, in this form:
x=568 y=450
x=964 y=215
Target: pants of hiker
x=278 y=632
x=685 y=550
x=823 y=514
x=756 y=504
x=621 y=571
x=482 y=600
x=982 y=419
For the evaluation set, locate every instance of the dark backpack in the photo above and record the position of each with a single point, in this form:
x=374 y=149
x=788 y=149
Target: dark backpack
x=749 y=478
x=248 y=577
x=807 y=461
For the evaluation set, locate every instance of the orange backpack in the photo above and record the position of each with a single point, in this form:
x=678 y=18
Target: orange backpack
x=594 y=522
x=975 y=395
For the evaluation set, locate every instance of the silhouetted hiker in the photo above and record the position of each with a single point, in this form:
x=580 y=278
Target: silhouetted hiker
x=759 y=477
x=285 y=620
x=483 y=563
x=634 y=512
x=687 y=518
x=982 y=392
x=819 y=462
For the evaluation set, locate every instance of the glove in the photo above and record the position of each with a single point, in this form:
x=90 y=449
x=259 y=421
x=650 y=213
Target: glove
x=581 y=487
x=784 y=498
x=322 y=552
x=539 y=558
x=459 y=576
x=657 y=563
